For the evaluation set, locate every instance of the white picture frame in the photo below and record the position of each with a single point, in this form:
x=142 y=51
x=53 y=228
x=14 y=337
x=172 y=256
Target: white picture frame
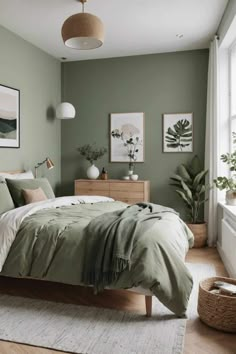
x=126 y=125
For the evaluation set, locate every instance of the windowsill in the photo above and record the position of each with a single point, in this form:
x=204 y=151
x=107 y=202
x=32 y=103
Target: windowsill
x=229 y=208
x=227 y=237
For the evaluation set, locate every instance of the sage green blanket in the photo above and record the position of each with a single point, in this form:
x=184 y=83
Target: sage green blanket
x=51 y=244
x=109 y=242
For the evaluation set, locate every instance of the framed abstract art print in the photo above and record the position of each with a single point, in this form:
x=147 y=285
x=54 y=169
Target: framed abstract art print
x=9 y=117
x=127 y=137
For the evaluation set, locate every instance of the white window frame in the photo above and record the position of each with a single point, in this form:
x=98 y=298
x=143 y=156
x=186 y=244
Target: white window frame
x=232 y=117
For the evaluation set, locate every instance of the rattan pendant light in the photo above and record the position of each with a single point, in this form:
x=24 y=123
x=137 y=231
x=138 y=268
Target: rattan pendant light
x=83 y=31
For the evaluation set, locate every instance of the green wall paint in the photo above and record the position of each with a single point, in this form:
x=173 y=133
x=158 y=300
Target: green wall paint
x=38 y=77
x=154 y=84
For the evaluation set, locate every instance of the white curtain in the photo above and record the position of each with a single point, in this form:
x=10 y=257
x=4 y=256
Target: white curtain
x=211 y=144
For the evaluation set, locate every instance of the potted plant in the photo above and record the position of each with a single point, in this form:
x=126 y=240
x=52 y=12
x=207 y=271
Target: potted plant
x=91 y=153
x=190 y=183
x=228 y=184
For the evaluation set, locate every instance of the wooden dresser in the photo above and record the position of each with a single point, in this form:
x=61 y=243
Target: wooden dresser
x=125 y=191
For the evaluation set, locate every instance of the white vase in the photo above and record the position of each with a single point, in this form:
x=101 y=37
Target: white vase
x=92 y=172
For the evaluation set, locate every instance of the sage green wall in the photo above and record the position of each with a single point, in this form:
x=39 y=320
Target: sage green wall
x=154 y=84
x=38 y=77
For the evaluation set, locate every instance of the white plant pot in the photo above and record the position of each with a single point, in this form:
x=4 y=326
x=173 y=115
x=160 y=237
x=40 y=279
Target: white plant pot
x=134 y=177
x=92 y=172
x=230 y=198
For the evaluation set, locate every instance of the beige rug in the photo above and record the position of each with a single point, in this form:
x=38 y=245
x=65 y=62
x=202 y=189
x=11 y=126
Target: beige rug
x=80 y=329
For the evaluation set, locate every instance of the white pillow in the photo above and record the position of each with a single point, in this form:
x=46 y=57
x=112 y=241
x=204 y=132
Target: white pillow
x=22 y=175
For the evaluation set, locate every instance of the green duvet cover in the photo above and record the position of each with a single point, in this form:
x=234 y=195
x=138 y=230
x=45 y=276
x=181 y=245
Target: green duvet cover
x=51 y=244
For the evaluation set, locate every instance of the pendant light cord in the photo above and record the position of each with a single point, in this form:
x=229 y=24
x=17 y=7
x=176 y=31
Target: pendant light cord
x=82 y=2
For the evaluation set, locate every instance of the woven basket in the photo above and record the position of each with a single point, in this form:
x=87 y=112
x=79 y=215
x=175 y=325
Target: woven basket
x=216 y=310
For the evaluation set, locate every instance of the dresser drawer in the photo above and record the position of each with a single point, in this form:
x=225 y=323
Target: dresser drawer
x=91 y=187
x=130 y=192
x=131 y=200
x=93 y=192
x=129 y=186
x=126 y=195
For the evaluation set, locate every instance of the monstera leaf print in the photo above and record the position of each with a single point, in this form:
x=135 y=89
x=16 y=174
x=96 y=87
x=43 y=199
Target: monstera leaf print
x=180 y=136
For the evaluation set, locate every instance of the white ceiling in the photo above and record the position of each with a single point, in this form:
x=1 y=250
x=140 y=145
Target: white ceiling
x=132 y=26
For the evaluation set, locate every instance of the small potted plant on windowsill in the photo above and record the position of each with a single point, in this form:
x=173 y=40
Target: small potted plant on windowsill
x=190 y=183
x=225 y=183
x=91 y=153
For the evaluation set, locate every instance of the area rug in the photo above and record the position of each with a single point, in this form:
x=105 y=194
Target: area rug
x=89 y=330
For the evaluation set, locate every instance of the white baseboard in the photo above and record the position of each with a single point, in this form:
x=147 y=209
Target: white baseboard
x=229 y=267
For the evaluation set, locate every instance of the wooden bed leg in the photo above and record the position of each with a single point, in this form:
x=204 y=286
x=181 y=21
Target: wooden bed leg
x=148 y=302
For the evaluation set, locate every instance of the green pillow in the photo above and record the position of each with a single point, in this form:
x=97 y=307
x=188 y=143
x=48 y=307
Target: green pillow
x=6 y=202
x=17 y=185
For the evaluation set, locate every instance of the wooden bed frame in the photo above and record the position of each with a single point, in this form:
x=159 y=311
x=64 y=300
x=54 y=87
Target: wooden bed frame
x=13 y=172
x=148 y=298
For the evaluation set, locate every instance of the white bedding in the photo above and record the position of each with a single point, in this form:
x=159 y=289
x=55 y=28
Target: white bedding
x=20 y=175
x=10 y=221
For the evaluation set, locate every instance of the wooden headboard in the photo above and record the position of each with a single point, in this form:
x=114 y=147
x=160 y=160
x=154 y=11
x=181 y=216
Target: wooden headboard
x=13 y=172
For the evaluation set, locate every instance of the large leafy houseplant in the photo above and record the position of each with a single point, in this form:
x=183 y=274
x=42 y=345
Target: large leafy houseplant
x=190 y=183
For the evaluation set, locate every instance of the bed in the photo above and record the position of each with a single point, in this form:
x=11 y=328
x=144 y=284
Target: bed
x=54 y=240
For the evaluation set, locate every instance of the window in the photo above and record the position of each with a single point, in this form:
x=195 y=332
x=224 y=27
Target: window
x=232 y=110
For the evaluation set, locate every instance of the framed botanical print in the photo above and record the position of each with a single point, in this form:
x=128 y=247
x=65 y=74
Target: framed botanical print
x=127 y=137
x=9 y=117
x=178 y=132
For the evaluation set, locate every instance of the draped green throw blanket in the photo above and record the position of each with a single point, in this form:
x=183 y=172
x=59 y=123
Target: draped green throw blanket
x=109 y=242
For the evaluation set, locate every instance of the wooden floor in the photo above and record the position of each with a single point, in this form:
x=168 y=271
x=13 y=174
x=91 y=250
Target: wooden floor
x=199 y=338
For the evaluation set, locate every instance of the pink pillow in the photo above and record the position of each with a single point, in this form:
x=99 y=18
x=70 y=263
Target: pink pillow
x=33 y=195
